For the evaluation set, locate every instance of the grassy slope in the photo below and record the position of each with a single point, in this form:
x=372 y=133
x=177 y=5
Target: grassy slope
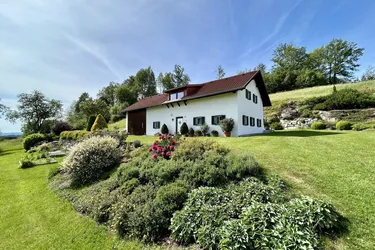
x=33 y=217
x=297 y=95
x=319 y=91
x=336 y=166
x=118 y=124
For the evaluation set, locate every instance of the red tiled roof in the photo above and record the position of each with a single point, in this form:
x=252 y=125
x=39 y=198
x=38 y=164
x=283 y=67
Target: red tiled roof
x=216 y=87
x=148 y=102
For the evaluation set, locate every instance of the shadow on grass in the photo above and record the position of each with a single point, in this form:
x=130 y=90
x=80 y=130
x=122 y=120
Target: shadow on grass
x=301 y=133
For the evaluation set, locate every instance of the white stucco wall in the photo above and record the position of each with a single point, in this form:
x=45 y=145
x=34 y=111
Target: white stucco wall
x=225 y=104
x=250 y=109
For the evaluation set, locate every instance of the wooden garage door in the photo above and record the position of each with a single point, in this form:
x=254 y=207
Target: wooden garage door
x=137 y=122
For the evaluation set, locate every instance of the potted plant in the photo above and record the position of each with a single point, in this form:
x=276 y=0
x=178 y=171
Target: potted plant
x=227 y=125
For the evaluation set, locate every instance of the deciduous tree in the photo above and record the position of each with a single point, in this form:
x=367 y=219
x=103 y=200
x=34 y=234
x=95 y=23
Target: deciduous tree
x=33 y=110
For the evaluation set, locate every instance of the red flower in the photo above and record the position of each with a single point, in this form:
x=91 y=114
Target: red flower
x=168 y=154
x=171 y=148
x=161 y=137
x=150 y=150
x=173 y=142
x=159 y=149
x=154 y=156
x=168 y=137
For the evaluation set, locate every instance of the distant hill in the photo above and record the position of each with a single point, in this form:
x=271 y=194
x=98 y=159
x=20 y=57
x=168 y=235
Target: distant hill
x=10 y=135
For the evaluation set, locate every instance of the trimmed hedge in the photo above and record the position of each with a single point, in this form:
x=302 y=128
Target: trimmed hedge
x=90 y=122
x=32 y=140
x=164 y=130
x=184 y=130
x=99 y=123
x=73 y=135
x=344 y=125
x=319 y=125
x=276 y=126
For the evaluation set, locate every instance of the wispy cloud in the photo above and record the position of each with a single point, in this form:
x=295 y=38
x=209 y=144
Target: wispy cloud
x=279 y=25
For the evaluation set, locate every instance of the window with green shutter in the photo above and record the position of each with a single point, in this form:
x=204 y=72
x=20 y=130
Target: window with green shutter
x=245 y=120
x=252 y=121
x=215 y=119
x=198 y=121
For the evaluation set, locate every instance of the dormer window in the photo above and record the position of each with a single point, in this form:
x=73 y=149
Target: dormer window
x=176 y=96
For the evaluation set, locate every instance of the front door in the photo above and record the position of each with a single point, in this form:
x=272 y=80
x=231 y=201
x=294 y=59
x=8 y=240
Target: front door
x=178 y=124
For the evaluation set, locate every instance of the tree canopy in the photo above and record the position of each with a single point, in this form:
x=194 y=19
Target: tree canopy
x=220 y=72
x=34 y=110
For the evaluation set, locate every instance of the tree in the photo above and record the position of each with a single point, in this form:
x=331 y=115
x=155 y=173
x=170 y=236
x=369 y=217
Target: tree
x=165 y=81
x=369 y=74
x=340 y=58
x=82 y=98
x=3 y=109
x=261 y=67
x=243 y=71
x=108 y=94
x=289 y=57
x=33 y=110
x=179 y=78
x=145 y=80
x=220 y=72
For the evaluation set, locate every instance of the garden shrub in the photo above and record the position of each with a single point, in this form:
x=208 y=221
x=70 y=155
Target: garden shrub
x=191 y=132
x=276 y=126
x=342 y=99
x=33 y=140
x=195 y=149
x=61 y=126
x=319 y=125
x=273 y=118
x=164 y=129
x=119 y=135
x=215 y=133
x=89 y=159
x=184 y=130
x=359 y=127
x=163 y=147
x=227 y=124
x=344 y=125
x=204 y=129
x=90 y=122
x=198 y=133
x=73 y=135
x=26 y=161
x=100 y=123
x=246 y=216
x=137 y=143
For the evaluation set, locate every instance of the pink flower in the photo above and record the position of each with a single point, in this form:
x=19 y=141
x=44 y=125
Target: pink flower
x=173 y=142
x=162 y=154
x=154 y=156
x=171 y=148
x=161 y=137
x=168 y=154
x=150 y=150
x=159 y=149
x=168 y=137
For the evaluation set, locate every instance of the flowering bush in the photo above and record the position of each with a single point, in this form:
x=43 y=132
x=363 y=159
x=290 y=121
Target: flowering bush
x=163 y=147
x=89 y=159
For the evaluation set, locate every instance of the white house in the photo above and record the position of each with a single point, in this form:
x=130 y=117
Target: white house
x=241 y=97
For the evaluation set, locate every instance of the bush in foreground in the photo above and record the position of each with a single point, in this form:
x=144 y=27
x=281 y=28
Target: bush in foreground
x=89 y=159
x=319 y=125
x=33 y=140
x=344 y=125
x=252 y=215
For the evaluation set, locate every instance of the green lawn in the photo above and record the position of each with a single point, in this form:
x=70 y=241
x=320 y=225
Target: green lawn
x=118 y=124
x=32 y=217
x=336 y=166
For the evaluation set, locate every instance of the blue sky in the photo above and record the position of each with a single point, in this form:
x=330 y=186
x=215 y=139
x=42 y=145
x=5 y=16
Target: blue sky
x=66 y=47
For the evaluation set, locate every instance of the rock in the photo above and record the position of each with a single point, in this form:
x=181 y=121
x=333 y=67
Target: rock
x=289 y=113
x=327 y=116
x=56 y=153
